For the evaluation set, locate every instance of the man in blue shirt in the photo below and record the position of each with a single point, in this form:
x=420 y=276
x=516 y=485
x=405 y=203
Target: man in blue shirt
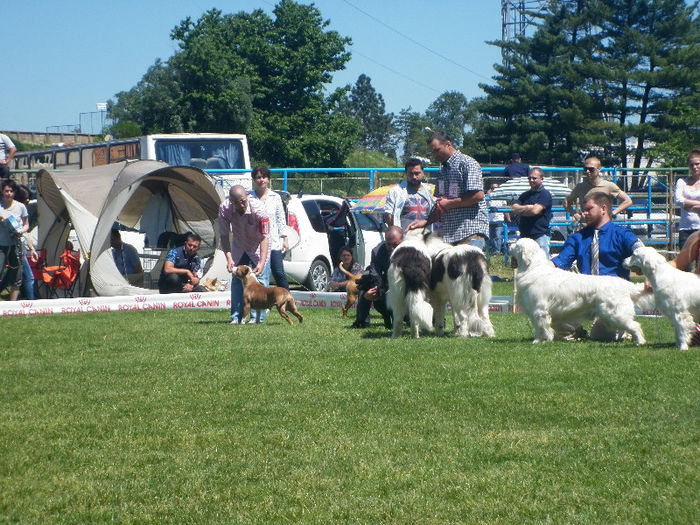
x=126 y=258
x=516 y=168
x=183 y=268
x=615 y=243
x=535 y=210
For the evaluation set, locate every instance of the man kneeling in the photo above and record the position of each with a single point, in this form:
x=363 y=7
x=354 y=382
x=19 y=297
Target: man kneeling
x=183 y=268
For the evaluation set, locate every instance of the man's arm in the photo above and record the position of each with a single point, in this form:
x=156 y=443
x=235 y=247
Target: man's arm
x=566 y=256
x=625 y=203
x=10 y=155
x=527 y=210
x=224 y=231
x=467 y=199
x=169 y=268
x=135 y=260
x=688 y=252
x=264 y=246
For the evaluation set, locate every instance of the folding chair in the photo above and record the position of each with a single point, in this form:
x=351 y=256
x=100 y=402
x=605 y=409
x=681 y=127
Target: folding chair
x=64 y=276
x=38 y=271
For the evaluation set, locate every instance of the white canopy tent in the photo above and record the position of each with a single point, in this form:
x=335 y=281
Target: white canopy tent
x=90 y=201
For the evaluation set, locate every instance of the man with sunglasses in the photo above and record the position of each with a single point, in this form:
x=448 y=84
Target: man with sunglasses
x=594 y=183
x=535 y=210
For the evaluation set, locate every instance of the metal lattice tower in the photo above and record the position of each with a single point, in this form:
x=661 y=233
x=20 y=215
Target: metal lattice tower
x=516 y=18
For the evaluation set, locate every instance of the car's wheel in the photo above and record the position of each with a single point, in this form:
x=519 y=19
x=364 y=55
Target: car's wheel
x=319 y=276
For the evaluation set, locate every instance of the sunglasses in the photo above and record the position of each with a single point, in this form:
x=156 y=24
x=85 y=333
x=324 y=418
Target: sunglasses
x=589 y=169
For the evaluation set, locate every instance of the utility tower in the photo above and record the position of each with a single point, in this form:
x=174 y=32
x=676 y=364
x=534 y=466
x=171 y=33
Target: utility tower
x=516 y=19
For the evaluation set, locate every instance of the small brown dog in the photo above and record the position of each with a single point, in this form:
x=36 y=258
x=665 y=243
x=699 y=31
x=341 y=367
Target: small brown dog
x=350 y=289
x=257 y=296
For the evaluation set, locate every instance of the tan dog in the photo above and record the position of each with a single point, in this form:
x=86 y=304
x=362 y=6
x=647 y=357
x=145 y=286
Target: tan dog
x=257 y=296
x=350 y=289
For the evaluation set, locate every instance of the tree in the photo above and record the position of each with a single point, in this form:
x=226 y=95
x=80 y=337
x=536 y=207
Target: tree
x=363 y=104
x=451 y=113
x=250 y=73
x=596 y=76
x=411 y=126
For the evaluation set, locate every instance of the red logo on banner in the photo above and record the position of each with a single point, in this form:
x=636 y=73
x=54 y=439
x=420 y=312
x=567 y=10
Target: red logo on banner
x=140 y=299
x=25 y=304
x=84 y=301
x=195 y=296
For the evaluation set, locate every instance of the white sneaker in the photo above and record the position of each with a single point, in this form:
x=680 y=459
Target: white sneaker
x=234 y=321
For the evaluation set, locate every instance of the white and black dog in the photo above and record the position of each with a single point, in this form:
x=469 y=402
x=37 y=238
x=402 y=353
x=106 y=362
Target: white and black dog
x=425 y=273
x=409 y=282
x=460 y=275
x=677 y=293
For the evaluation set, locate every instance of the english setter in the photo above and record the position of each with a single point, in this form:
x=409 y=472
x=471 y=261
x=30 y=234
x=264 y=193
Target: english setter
x=558 y=300
x=677 y=293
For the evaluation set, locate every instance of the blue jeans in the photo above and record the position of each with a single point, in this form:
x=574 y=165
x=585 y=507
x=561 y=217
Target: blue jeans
x=277 y=267
x=479 y=242
x=495 y=242
x=237 y=291
x=27 y=280
x=543 y=241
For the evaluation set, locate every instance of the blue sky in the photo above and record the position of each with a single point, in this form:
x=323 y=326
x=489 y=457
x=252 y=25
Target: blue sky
x=67 y=56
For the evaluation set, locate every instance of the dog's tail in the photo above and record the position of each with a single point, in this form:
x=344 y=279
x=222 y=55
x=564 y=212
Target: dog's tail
x=642 y=298
x=347 y=273
x=420 y=310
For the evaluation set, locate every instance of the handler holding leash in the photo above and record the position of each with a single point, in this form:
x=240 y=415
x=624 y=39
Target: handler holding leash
x=250 y=226
x=460 y=204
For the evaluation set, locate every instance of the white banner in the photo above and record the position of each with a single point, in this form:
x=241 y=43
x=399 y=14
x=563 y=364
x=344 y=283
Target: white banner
x=192 y=301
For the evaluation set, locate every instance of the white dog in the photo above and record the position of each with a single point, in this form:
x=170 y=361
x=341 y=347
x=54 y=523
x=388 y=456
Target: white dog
x=409 y=283
x=460 y=275
x=556 y=299
x=677 y=292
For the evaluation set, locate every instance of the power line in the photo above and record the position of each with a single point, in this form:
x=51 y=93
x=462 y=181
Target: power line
x=379 y=21
x=402 y=75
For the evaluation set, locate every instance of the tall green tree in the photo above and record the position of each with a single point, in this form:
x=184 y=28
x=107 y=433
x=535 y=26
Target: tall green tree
x=253 y=73
x=650 y=50
x=597 y=76
x=412 y=126
x=363 y=104
x=451 y=113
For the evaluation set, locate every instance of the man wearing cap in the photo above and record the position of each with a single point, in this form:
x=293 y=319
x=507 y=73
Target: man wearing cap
x=516 y=168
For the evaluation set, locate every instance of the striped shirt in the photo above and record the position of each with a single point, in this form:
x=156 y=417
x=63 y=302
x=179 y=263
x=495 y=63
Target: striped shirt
x=248 y=230
x=458 y=175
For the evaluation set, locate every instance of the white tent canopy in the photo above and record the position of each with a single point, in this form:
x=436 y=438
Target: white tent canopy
x=90 y=201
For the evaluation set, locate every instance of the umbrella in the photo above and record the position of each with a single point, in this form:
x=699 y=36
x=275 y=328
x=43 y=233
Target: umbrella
x=512 y=189
x=375 y=200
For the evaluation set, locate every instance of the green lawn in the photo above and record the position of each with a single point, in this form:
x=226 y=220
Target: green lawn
x=178 y=417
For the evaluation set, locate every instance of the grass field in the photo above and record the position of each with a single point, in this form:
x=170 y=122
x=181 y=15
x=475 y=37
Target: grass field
x=177 y=417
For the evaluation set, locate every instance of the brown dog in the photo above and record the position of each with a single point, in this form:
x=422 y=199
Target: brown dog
x=350 y=289
x=257 y=296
